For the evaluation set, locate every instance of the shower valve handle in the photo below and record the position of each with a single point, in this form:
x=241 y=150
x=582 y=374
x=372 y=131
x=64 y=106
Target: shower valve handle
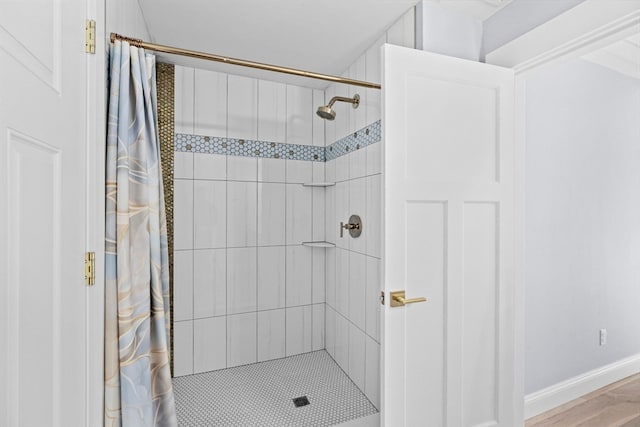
x=354 y=226
x=344 y=226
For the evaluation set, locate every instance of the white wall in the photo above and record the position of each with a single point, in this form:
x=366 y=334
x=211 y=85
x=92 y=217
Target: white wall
x=447 y=31
x=582 y=257
x=245 y=289
x=353 y=267
x=125 y=17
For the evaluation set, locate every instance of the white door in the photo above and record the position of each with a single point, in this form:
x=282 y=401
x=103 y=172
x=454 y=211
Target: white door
x=42 y=213
x=449 y=168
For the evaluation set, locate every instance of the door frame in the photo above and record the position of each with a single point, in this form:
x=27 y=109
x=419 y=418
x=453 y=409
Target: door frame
x=95 y=140
x=576 y=32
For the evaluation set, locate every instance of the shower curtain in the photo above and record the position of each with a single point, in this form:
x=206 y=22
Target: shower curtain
x=138 y=390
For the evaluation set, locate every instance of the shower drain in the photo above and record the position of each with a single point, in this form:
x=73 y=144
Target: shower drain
x=301 y=401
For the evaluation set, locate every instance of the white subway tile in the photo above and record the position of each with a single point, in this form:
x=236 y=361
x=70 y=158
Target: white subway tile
x=272 y=170
x=342 y=343
x=342 y=282
x=357 y=206
x=342 y=213
x=318 y=172
x=182 y=285
x=374 y=158
x=330 y=279
x=242 y=213
x=330 y=331
x=317 y=277
x=298 y=279
x=182 y=348
x=318 y=214
x=209 y=166
x=374 y=214
x=182 y=165
x=342 y=168
x=317 y=342
x=395 y=33
x=357 y=348
x=299 y=171
x=373 y=62
x=241 y=280
x=318 y=122
x=299 y=330
x=372 y=372
x=271 y=277
x=183 y=214
x=402 y=33
x=210 y=216
x=241 y=339
x=298 y=214
x=343 y=112
x=272 y=114
x=240 y=168
x=210 y=283
x=210 y=344
x=183 y=99
x=271 y=334
x=242 y=120
x=331 y=227
x=210 y=103
x=271 y=214
x=330 y=171
x=357 y=289
x=358 y=115
x=373 y=104
x=357 y=163
x=300 y=113
x=372 y=304
x=329 y=125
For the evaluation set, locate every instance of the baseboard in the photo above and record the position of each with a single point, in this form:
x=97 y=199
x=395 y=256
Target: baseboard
x=573 y=388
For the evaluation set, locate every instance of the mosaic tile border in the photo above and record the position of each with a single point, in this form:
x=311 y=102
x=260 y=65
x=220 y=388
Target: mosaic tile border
x=247 y=148
x=359 y=139
x=276 y=150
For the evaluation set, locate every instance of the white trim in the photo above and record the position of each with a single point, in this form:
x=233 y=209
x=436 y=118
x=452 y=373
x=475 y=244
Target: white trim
x=580 y=30
x=566 y=391
x=95 y=213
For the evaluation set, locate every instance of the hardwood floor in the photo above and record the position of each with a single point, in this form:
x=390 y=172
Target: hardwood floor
x=616 y=405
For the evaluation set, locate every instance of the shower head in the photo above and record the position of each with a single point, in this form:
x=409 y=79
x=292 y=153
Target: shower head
x=328 y=113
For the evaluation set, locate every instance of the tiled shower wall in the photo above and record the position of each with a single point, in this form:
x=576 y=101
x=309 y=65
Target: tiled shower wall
x=353 y=267
x=245 y=289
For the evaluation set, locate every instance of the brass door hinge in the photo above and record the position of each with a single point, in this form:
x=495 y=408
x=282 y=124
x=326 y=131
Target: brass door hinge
x=90 y=36
x=90 y=268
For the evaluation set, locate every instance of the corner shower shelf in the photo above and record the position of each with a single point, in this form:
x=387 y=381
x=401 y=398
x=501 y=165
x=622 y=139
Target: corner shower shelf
x=319 y=244
x=319 y=184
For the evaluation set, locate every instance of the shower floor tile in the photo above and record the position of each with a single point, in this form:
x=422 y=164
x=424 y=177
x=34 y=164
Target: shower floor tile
x=262 y=394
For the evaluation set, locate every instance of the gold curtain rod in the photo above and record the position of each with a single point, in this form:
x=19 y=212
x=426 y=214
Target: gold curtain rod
x=241 y=62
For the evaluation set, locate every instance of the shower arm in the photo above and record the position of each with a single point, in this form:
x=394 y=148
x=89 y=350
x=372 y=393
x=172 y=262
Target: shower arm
x=343 y=99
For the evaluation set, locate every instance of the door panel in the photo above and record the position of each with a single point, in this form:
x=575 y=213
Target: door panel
x=42 y=213
x=448 y=136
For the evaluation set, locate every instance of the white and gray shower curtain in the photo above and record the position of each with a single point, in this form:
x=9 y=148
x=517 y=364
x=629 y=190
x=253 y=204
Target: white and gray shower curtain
x=138 y=390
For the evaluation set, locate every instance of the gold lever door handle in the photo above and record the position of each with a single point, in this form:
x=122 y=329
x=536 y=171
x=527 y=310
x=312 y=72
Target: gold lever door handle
x=398 y=299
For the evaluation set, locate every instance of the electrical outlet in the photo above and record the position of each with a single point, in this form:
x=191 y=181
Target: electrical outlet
x=603 y=337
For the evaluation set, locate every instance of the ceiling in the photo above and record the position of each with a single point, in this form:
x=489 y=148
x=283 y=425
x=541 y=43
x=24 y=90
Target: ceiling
x=322 y=36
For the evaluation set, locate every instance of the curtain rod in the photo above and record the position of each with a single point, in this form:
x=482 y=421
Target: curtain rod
x=241 y=62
